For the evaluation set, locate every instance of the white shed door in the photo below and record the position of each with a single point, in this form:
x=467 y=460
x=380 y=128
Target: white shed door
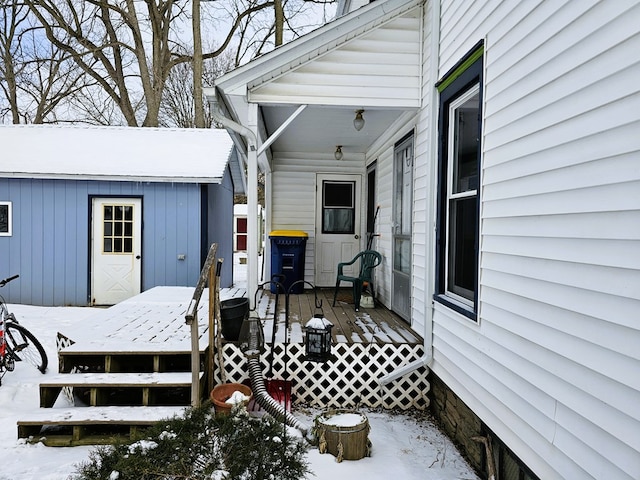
x=116 y=249
x=337 y=224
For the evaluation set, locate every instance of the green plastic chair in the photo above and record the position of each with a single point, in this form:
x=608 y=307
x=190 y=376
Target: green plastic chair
x=369 y=259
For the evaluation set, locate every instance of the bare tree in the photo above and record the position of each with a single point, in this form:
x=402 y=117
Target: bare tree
x=107 y=41
x=110 y=61
x=264 y=30
x=35 y=77
x=13 y=15
x=93 y=106
x=134 y=50
x=197 y=65
x=49 y=79
x=177 y=107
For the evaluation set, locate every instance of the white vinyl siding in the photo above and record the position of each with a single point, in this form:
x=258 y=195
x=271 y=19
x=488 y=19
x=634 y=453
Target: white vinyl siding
x=379 y=68
x=552 y=366
x=423 y=193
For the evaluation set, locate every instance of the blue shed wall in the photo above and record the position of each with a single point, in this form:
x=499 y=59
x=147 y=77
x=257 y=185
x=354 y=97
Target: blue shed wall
x=220 y=225
x=50 y=244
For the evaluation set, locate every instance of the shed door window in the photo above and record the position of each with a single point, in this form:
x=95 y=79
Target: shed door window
x=338 y=207
x=5 y=219
x=118 y=229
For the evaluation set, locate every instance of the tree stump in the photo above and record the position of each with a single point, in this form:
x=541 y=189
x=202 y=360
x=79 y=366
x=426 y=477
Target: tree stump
x=343 y=433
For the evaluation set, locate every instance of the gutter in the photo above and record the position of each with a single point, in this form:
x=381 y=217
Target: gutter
x=434 y=55
x=216 y=111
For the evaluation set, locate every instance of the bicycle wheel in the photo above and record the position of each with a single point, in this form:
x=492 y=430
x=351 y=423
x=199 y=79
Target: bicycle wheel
x=24 y=347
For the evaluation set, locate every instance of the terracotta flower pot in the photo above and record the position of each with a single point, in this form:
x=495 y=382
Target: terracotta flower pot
x=223 y=392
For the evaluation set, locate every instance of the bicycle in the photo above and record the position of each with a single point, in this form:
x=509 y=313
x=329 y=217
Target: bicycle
x=17 y=344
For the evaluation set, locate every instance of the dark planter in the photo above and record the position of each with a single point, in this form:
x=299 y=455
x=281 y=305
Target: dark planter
x=232 y=314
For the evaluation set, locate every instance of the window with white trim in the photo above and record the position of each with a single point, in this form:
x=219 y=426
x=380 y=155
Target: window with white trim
x=338 y=207
x=459 y=156
x=6 y=221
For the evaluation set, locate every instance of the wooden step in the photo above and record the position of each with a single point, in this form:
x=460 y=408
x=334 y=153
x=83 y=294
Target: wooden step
x=124 y=361
x=58 y=427
x=132 y=389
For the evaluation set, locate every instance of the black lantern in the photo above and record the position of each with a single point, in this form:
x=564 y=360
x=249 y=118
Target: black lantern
x=251 y=338
x=318 y=339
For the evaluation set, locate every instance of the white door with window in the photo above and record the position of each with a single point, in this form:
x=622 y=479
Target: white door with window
x=115 y=249
x=337 y=224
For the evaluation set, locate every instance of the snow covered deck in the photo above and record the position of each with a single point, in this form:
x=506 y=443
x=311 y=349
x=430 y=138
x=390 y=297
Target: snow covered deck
x=153 y=322
x=136 y=355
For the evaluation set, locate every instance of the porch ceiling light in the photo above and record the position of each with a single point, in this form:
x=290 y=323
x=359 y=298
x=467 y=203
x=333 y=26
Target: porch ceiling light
x=338 y=152
x=358 y=122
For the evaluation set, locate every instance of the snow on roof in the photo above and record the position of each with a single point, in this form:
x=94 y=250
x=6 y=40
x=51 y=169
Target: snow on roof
x=240 y=209
x=114 y=153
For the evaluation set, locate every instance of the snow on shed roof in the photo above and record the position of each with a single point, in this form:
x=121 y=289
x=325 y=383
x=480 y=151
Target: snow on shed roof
x=114 y=153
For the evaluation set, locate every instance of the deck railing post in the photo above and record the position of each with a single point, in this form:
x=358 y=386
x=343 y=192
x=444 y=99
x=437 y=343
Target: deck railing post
x=195 y=363
x=191 y=318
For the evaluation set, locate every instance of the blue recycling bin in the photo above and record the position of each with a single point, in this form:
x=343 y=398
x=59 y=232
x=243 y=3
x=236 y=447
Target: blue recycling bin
x=287 y=258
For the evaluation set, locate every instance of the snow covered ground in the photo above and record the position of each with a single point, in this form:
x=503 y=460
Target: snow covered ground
x=404 y=446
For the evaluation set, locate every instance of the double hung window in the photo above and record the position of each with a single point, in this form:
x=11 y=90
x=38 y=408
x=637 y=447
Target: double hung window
x=460 y=122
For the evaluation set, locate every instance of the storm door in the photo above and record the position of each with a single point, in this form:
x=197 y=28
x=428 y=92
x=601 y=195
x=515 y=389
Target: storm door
x=402 y=228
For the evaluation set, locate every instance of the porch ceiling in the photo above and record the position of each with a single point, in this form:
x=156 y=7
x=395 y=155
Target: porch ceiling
x=318 y=129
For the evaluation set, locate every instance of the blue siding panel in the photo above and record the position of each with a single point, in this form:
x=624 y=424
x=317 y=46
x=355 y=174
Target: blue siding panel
x=50 y=245
x=220 y=201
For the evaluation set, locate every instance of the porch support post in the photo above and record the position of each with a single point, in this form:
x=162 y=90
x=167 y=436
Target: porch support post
x=252 y=205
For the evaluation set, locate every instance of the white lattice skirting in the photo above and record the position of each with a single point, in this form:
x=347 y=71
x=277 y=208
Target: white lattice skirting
x=346 y=382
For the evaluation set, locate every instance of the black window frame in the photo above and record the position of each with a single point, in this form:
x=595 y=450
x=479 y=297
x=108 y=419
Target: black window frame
x=7 y=219
x=464 y=76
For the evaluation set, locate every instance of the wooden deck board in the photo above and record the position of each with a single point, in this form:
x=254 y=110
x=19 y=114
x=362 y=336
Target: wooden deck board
x=377 y=324
x=118 y=379
x=98 y=415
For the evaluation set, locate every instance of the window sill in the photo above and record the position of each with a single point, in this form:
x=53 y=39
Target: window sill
x=456 y=306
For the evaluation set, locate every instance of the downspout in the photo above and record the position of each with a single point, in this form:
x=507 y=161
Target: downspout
x=252 y=184
x=434 y=55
